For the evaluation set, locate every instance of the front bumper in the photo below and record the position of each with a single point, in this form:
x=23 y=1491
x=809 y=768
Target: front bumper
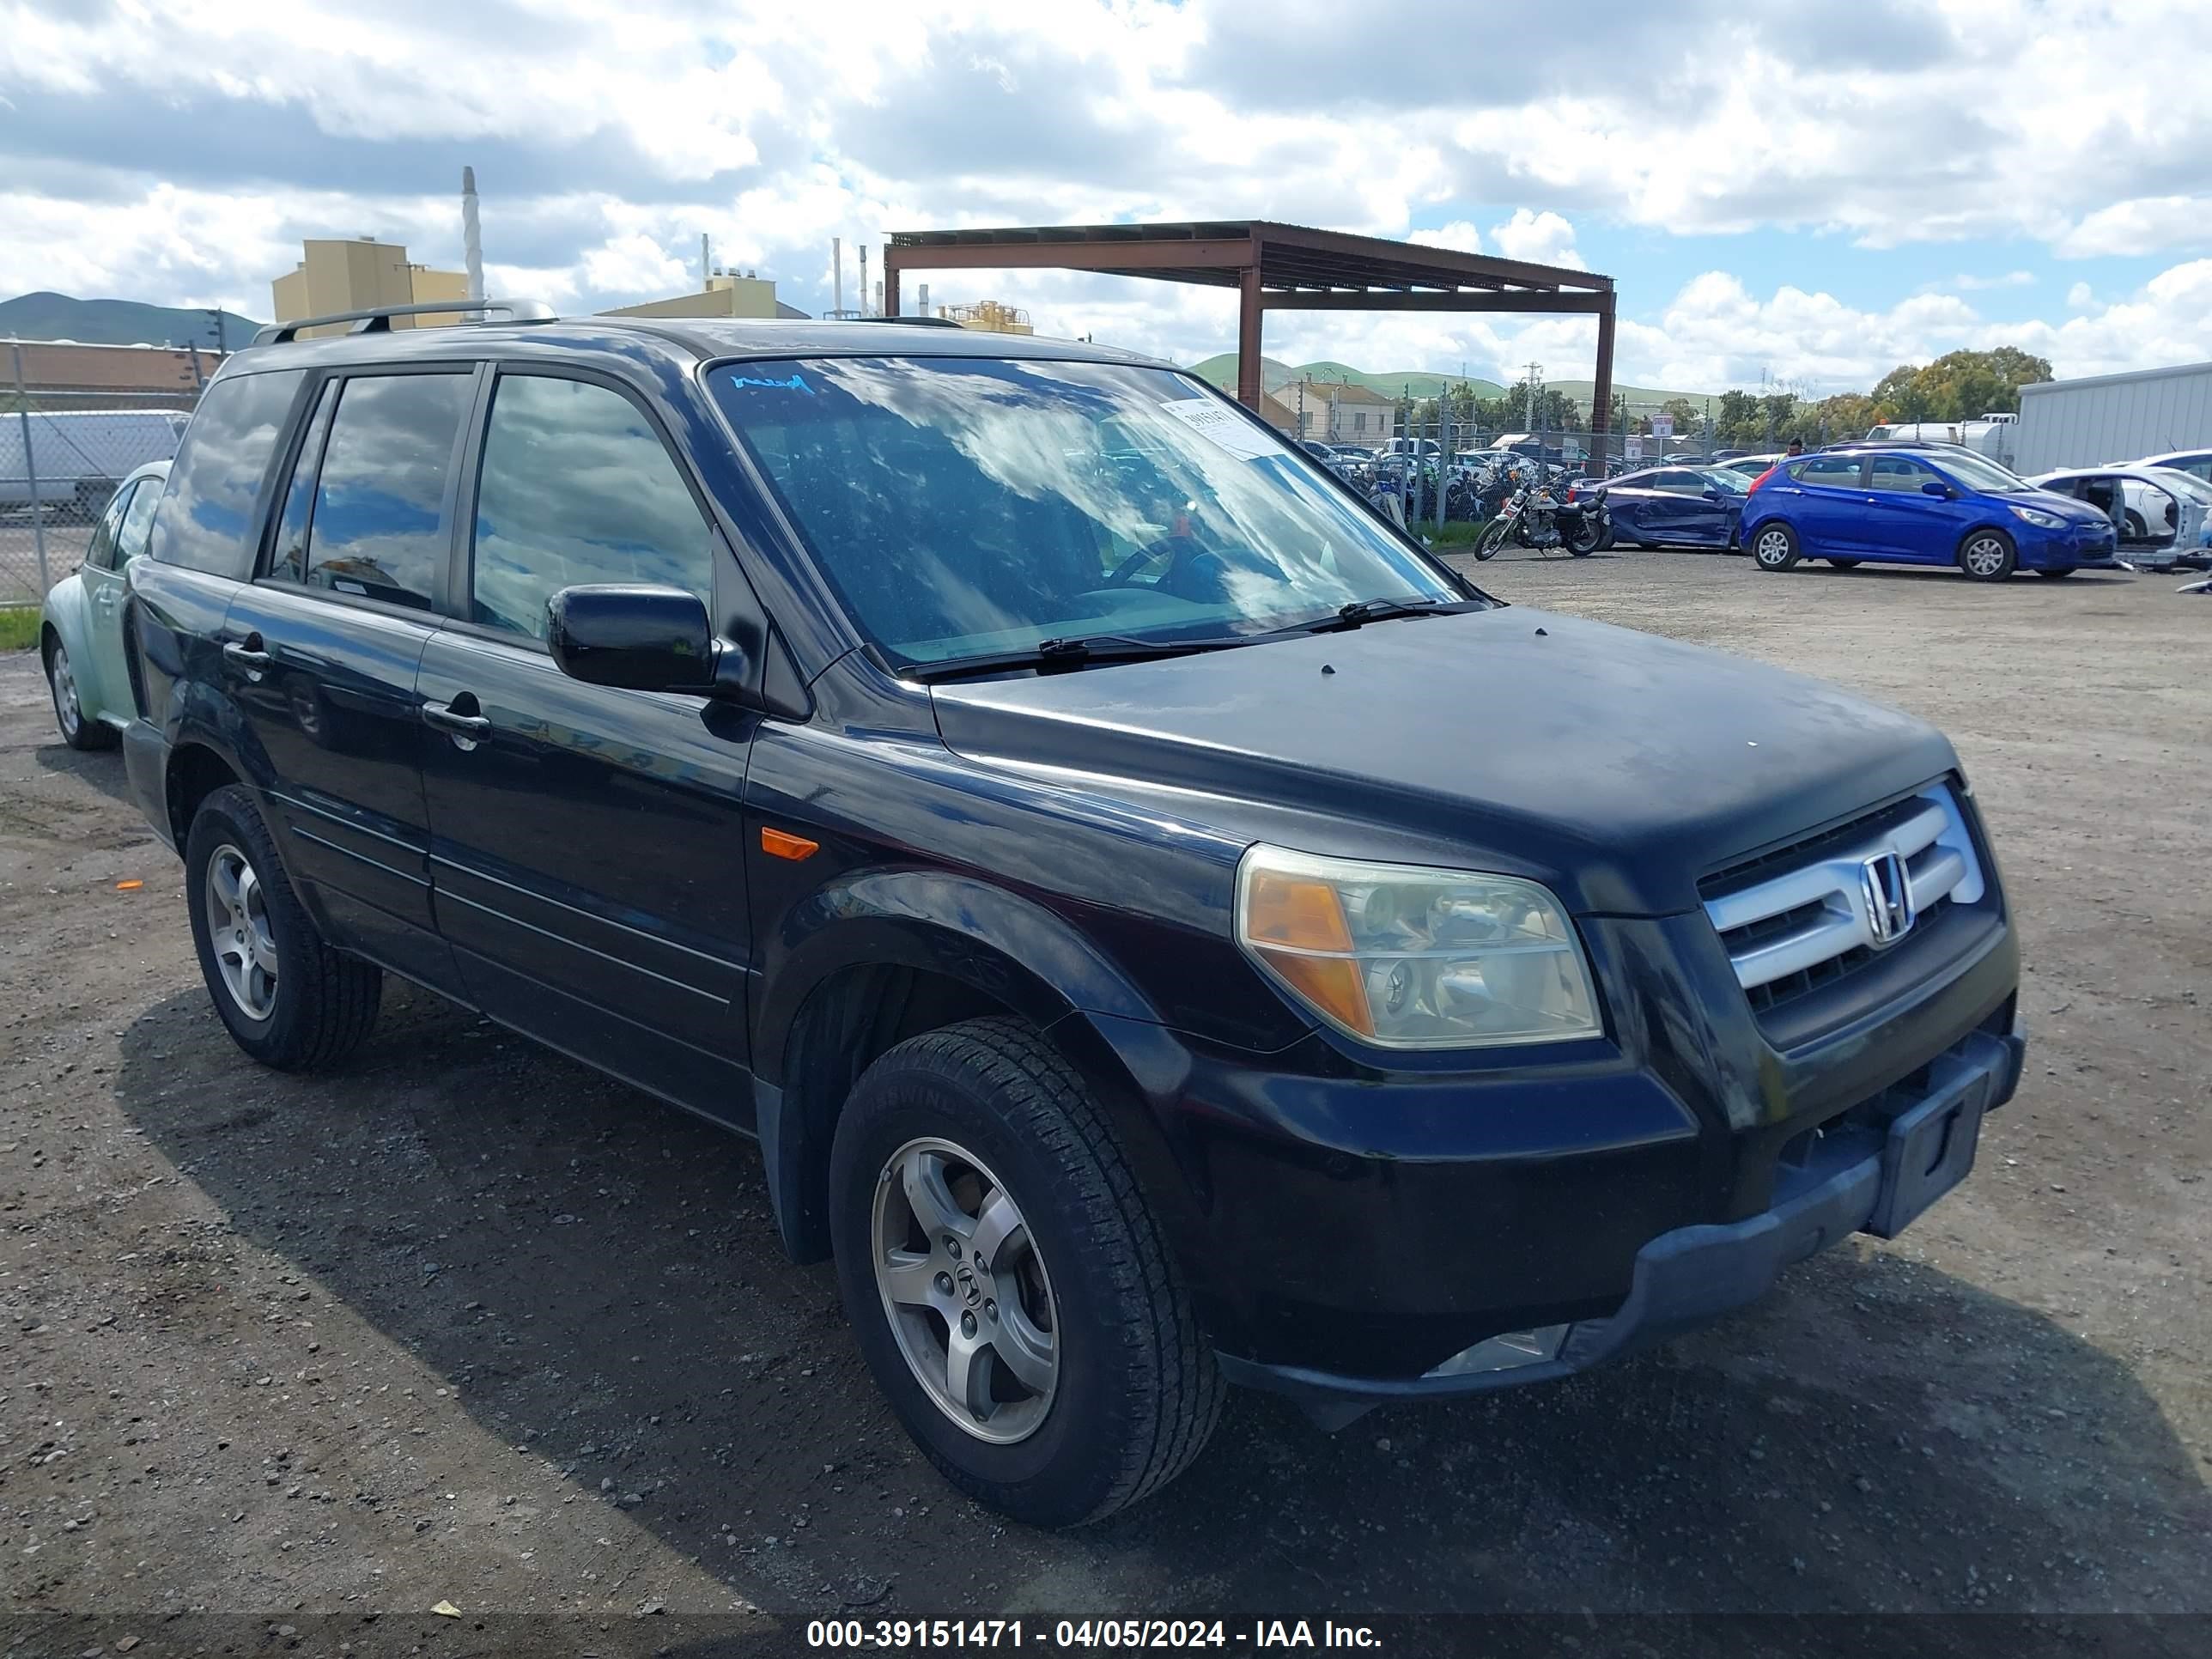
x=1874 y=1172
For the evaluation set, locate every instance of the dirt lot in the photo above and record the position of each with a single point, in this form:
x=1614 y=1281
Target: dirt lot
x=466 y=1323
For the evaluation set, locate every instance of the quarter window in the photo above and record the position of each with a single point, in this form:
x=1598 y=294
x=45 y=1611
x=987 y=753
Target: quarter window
x=577 y=487
x=290 y=559
x=216 y=481
x=378 y=529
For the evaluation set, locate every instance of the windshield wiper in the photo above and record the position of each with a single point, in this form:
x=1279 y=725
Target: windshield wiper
x=1084 y=651
x=1360 y=612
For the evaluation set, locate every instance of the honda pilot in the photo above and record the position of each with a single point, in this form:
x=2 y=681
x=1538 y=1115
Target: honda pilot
x=1164 y=928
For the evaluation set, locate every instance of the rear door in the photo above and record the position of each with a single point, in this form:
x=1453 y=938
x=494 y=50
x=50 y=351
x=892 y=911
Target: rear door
x=587 y=842
x=321 y=652
x=1903 y=521
x=1826 y=504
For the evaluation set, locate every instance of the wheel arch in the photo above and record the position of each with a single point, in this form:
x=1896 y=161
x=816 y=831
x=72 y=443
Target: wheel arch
x=897 y=954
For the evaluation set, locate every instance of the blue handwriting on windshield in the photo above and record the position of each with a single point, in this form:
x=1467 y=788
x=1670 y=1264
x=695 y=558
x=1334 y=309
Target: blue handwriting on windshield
x=794 y=384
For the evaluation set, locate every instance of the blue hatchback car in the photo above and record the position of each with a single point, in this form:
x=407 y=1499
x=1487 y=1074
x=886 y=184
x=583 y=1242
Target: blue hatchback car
x=1918 y=507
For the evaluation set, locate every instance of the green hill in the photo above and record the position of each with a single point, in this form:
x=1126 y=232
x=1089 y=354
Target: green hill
x=1221 y=370
x=46 y=316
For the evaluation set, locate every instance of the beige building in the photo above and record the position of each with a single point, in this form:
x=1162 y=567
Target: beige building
x=988 y=316
x=358 y=275
x=1336 y=413
x=724 y=295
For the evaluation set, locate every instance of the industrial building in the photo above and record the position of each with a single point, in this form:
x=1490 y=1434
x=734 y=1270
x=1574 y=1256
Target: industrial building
x=726 y=295
x=356 y=274
x=988 y=316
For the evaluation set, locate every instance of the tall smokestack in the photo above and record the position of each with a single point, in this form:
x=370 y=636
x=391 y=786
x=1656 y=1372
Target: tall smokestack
x=471 y=233
x=836 y=275
x=706 y=260
x=864 y=279
x=924 y=299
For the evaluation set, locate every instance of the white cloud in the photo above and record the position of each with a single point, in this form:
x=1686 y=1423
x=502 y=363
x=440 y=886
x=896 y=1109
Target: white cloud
x=1972 y=282
x=2149 y=224
x=1458 y=235
x=1543 y=239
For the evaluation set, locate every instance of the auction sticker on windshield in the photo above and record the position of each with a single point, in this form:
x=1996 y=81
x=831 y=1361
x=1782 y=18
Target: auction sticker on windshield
x=1224 y=426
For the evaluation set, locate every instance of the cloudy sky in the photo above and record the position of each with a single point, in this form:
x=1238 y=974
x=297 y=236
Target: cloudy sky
x=1810 y=190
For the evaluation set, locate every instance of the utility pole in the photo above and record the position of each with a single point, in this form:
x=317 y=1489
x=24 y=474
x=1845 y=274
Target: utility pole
x=222 y=331
x=1536 y=377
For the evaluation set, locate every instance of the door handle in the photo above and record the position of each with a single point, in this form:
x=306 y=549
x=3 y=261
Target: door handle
x=446 y=718
x=248 y=655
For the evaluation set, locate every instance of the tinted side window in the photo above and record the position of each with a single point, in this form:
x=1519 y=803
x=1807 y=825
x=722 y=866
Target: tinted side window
x=99 y=551
x=289 y=559
x=215 y=485
x=1895 y=472
x=378 y=528
x=577 y=488
x=1834 y=471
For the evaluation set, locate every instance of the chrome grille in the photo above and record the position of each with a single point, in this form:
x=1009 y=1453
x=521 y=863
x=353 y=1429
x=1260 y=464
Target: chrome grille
x=1794 y=920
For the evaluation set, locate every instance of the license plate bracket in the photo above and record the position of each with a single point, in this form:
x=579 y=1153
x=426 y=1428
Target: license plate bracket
x=1928 y=1150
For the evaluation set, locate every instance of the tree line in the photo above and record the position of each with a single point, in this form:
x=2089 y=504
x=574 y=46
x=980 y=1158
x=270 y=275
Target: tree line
x=1959 y=385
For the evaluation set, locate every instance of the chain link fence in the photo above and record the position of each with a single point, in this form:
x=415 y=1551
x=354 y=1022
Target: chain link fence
x=62 y=451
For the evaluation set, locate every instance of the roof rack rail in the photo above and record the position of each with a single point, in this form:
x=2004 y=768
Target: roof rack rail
x=377 y=319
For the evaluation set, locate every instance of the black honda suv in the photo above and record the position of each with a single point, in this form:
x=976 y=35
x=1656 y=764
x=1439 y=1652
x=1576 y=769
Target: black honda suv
x=1164 y=928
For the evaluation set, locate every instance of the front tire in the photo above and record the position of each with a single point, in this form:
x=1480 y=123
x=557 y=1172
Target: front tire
x=1987 y=555
x=287 y=999
x=1006 y=1281
x=1492 y=538
x=79 y=730
x=1845 y=564
x=2054 y=572
x=1775 y=548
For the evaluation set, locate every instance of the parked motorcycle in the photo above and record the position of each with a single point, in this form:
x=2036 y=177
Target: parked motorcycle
x=1536 y=516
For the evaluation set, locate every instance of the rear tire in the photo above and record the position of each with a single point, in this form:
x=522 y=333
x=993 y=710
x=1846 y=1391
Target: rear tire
x=79 y=730
x=2137 y=531
x=1775 y=548
x=1987 y=555
x=992 y=1111
x=287 y=999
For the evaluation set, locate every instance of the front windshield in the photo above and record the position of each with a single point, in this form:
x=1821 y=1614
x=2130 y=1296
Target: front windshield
x=1987 y=477
x=2181 y=483
x=965 y=507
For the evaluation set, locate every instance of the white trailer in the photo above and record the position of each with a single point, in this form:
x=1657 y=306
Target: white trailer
x=2106 y=420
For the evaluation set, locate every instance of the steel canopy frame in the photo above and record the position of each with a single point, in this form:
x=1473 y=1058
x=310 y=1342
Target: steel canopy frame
x=1277 y=267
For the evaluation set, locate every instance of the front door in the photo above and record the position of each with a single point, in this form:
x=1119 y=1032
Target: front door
x=103 y=687
x=588 y=842
x=1903 y=520
x=321 y=650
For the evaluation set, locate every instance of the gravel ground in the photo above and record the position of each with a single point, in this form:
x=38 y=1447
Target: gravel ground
x=464 y=1324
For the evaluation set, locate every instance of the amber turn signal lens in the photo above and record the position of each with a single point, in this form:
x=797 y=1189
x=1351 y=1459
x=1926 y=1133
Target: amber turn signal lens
x=1299 y=916
x=783 y=844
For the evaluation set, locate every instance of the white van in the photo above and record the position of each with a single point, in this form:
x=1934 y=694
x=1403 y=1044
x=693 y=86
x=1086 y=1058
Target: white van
x=1991 y=435
x=79 y=455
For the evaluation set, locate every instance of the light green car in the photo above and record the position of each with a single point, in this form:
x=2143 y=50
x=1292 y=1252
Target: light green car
x=81 y=625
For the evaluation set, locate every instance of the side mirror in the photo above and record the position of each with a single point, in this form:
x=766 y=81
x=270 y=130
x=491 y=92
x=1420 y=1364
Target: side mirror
x=637 y=638
x=1942 y=492
x=1715 y=493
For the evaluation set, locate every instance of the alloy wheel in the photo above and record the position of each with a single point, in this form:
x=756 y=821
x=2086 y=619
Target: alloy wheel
x=67 y=709
x=1985 y=555
x=1773 y=547
x=965 y=1291
x=237 y=910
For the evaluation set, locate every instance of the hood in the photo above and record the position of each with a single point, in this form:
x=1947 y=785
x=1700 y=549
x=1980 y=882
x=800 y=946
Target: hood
x=2066 y=507
x=1614 y=766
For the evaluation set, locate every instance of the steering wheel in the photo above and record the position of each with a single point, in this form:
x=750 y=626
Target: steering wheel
x=1172 y=546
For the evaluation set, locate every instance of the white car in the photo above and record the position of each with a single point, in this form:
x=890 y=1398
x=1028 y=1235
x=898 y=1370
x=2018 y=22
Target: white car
x=2162 y=513
x=2197 y=462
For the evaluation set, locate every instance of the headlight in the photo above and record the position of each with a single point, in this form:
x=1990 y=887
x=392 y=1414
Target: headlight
x=2037 y=516
x=1414 y=958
